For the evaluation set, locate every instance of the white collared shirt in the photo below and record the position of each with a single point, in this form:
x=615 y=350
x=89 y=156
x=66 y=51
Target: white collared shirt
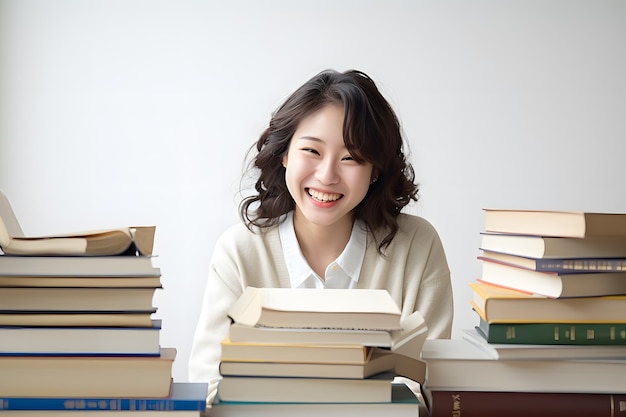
x=341 y=273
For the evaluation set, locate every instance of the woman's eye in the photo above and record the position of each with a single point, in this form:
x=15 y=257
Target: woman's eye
x=311 y=150
x=347 y=158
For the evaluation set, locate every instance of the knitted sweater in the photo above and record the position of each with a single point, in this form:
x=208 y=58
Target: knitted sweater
x=414 y=271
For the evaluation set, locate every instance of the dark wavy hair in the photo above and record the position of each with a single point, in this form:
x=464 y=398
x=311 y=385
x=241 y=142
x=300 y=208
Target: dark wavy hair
x=371 y=133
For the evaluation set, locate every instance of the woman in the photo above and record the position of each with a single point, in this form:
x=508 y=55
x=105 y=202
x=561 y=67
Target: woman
x=332 y=181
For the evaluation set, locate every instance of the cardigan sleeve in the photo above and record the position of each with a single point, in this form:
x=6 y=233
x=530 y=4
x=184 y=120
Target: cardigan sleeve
x=213 y=322
x=240 y=259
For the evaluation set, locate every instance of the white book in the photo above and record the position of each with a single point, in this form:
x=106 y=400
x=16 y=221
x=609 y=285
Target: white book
x=368 y=309
x=457 y=364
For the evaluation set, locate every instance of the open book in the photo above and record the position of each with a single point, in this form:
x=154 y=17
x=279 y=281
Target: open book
x=122 y=241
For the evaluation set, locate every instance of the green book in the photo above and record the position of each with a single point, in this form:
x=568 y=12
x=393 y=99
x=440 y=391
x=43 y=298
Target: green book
x=554 y=333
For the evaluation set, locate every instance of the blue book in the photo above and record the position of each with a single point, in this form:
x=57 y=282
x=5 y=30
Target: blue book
x=184 y=396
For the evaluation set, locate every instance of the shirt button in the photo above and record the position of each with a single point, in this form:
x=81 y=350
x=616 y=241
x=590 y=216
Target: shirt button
x=334 y=267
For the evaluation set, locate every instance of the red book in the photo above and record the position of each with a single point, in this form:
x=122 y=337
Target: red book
x=524 y=404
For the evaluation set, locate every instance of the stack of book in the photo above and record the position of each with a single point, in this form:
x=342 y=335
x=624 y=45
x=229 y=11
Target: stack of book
x=551 y=311
x=76 y=328
x=319 y=352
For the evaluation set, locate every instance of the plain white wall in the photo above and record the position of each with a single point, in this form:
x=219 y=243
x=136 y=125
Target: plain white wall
x=124 y=112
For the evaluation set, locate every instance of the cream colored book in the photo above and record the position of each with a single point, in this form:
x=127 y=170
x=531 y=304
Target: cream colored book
x=366 y=309
x=378 y=361
x=125 y=240
x=408 y=341
x=375 y=389
x=293 y=353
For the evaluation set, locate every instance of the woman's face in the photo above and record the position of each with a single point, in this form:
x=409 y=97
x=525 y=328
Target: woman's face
x=323 y=179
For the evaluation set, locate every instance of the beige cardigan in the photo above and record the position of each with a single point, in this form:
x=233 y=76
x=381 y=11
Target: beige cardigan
x=415 y=272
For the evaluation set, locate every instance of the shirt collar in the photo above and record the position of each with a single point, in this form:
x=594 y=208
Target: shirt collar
x=342 y=273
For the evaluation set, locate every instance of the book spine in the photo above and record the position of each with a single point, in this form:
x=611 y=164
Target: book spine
x=99 y=404
x=554 y=334
x=524 y=404
x=580 y=265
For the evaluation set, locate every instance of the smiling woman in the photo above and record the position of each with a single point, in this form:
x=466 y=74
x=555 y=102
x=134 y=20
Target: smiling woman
x=332 y=180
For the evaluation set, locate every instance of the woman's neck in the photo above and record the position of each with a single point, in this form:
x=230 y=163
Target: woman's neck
x=321 y=245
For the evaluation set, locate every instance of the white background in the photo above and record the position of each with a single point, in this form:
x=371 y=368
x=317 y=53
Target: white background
x=123 y=112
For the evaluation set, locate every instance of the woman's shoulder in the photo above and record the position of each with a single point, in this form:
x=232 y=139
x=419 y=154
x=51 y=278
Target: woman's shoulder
x=238 y=235
x=412 y=227
x=411 y=223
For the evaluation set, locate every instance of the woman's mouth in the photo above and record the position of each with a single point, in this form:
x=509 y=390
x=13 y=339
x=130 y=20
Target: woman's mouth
x=323 y=197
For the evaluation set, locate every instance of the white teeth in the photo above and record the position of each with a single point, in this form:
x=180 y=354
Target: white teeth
x=323 y=197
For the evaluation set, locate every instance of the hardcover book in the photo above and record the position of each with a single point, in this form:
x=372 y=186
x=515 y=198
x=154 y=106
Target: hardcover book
x=445 y=403
x=80 y=341
x=183 y=396
x=535 y=351
x=546 y=247
x=560 y=265
x=82 y=319
x=76 y=299
x=457 y=364
x=555 y=223
x=378 y=361
x=501 y=305
x=404 y=403
x=553 y=284
x=554 y=333
x=375 y=389
x=87 y=376
x=78 y=266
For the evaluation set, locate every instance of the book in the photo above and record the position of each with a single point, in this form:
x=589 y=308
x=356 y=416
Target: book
x=446 y=403
x=78 y=266
x=457 y=364
x=101 y=413
x=125 y=240
x=369 y=309
x=87 y=376
x=575 y=224
x=407 y=341
x=183 y=396
x=256 y=334
x=378 y=361
x=562 y=265
x=66 y=319
x=374 y=389
x=82 y=282
x=76 y=299
x=288 y=353
x=502 y=305
x=530 y=351
x=404 y=403
x=554 y=333
x=547 y=247
x=552 y=284
x=75 y=341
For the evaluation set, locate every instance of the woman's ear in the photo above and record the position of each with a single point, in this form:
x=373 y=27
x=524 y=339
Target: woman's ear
x=285 y=160
x=374 y=176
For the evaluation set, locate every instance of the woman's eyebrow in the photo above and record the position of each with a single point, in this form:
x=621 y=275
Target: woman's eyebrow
x=311 y=138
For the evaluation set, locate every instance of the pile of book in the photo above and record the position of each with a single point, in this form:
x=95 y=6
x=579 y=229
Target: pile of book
x=551 y=310
x=319 y=352
x=77 y=334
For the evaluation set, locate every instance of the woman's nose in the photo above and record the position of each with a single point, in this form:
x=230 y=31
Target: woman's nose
x=327 y=172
